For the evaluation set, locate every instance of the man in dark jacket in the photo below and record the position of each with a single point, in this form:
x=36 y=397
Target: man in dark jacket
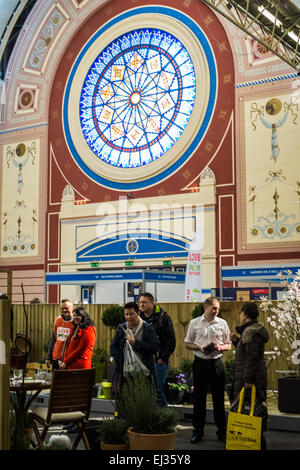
x=163 y=326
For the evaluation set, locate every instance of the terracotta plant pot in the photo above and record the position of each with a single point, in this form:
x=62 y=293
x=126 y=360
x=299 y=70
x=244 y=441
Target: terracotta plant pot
x=104 y=446
x=140 y=441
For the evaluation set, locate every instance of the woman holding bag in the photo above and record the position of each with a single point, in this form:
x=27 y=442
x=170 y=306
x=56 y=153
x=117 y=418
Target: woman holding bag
x=250 y=366
x=141 y=337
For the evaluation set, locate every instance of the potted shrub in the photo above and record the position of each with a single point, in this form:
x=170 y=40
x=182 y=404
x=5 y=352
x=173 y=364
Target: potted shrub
x=113 y=434
x=198 y=310
x=112 y=316
x=284 y=319
x=99 y=361
x=150 y=427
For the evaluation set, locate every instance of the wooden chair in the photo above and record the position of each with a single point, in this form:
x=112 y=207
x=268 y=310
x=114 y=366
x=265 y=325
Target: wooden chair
x=70 y=401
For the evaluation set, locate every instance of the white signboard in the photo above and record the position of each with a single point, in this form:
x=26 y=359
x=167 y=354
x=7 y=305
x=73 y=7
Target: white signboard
x=193 y=270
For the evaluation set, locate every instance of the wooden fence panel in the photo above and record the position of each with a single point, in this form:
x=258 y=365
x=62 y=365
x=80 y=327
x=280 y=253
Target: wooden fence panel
x=41 y=319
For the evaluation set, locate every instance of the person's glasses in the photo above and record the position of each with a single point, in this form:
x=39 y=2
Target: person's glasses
x=65 y=309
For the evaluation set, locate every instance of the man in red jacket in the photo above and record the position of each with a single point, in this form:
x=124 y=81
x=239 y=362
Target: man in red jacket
x=63 y=328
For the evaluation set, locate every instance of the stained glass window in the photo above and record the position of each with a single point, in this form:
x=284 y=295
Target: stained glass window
x=137 y=98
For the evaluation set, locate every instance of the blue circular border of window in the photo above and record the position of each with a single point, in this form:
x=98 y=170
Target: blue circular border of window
x=174 y=164
x=137 y=98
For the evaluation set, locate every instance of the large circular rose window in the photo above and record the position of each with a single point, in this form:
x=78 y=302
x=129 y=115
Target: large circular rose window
x=137 y=98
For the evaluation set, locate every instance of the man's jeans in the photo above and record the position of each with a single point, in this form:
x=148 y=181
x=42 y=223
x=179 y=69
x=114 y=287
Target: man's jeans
x=161 y=373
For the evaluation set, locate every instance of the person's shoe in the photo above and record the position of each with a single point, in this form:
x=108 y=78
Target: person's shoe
x=196 y=437
x=221 y=435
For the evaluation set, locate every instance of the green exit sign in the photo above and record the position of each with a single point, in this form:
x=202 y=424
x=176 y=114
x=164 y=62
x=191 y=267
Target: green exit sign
x=167 y=262
x=94 y=265
x=128 y=263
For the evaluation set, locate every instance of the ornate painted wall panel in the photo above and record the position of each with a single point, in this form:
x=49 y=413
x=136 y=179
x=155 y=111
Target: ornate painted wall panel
x=45 y=39
x=20 y=214
x=270 y=171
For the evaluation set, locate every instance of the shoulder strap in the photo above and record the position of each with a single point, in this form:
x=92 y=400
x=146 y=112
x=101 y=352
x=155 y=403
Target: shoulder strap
x=253 y=394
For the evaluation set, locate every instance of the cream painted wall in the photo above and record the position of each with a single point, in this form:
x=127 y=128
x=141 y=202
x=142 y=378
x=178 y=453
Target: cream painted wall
x=82 y=225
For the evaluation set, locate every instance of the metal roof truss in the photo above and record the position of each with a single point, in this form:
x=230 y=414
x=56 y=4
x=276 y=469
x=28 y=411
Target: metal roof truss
x=273 y=23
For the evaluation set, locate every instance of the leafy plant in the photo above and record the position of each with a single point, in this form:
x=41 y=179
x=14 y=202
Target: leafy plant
x=284 y=318
x=229 y=370
x=180 y=384
x=187 y=367
x=198 y=310
x=172 y=372
x=113 y=316
x=164 y=420
x=136 y=403
x=113 y=431
x=99 y=355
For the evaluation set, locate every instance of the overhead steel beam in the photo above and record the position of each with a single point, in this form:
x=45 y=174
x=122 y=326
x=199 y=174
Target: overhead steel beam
x=275 y=24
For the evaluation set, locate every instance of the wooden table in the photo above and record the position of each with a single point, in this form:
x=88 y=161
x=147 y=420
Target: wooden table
x=21 y=389
x=25 y=393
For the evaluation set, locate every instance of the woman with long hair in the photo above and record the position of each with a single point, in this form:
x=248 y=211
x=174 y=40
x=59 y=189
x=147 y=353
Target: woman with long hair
x=79 y=349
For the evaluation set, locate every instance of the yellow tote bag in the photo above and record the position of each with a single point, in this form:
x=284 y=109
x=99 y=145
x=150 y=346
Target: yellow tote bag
x=244 y=431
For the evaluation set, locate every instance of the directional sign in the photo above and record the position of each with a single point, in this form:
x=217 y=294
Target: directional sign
x=82 y=277
x=86 y=277
x=258 y=273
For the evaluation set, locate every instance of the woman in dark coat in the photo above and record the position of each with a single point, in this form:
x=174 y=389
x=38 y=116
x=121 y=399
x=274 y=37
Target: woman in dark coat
x=250 y=366
x=142 y=338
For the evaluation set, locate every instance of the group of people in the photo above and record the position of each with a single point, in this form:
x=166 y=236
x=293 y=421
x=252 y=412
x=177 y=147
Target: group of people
x=208 y=336
x=73 y=339
x=149 y=331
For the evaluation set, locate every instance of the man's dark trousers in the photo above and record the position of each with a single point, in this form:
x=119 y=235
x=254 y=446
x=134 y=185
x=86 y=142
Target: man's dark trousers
x=208 y=373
